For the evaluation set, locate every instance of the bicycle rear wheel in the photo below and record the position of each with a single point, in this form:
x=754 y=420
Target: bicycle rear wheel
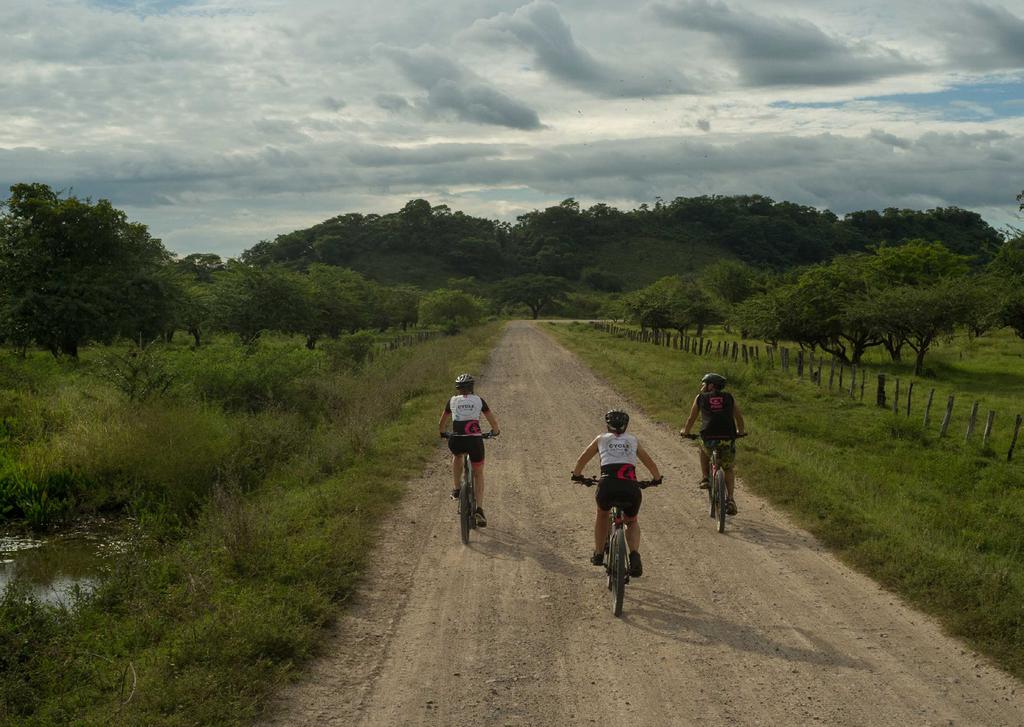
x=465 y=508
x=618 y=556
x=720 y=495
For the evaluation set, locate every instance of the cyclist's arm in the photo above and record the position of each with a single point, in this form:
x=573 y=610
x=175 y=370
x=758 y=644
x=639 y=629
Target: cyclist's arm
x=442 y=425
x=585 y=456
x=648 y=462
x=694 y=412
x=492 y=421
x=738 y=416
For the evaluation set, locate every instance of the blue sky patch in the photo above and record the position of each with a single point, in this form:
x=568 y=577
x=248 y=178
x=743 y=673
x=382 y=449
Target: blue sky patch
x=971 y=102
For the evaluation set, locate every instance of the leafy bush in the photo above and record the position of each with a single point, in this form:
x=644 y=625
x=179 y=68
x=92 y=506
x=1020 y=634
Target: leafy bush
x=350 y=351
x=139 y=373
x=268 y=377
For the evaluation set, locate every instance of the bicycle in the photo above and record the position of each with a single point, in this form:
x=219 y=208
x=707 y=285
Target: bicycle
x=467 y=498
x=718 y=491
x=616 y=565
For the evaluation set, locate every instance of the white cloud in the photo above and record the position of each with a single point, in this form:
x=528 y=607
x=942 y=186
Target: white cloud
x=220 y=123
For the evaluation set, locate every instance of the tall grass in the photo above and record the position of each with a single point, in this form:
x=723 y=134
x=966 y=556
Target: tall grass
x=205 y=617
x=939 y=521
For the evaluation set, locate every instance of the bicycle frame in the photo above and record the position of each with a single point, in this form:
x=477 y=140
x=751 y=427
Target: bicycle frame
x=617 y=562
x=467 y=495
x=467 y=501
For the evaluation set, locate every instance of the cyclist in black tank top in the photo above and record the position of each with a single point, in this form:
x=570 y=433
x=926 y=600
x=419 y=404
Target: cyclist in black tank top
x=720 y=419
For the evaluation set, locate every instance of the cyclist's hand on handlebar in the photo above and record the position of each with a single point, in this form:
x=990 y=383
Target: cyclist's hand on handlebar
x=684 y=435
x=650 y=483
x=495 y=432
x=576 y=478
x=444 y=435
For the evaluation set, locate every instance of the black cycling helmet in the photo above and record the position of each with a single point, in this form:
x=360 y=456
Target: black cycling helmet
x=464 y=381
x=617 y=420
x=717 y=379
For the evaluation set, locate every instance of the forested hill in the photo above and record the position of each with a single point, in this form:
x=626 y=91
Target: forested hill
x=427 y=245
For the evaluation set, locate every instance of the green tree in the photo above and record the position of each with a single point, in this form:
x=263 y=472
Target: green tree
x=536 y=292
x=920 y=314
x=248 y=301
x=74 y=271
x=1009 y=259
x=451 y=309
x=1012 y=313
x=918 y=262
x=730 y=281
x=338 y=300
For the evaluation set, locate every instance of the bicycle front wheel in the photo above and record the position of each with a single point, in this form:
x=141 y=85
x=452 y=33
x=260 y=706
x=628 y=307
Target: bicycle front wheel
x=618 y=556
x=720 y=496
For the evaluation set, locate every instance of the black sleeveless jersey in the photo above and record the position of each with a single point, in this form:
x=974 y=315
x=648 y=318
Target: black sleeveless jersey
x=716 y=414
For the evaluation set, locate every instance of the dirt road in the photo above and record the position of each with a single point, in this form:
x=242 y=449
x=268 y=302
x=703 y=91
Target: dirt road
x=759 y=626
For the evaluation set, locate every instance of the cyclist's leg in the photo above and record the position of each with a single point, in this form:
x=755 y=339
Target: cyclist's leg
x=633 y=534
x=727 y=456
x=457 y=460
x=705 y=462
x=600 y=530
x=476 y=459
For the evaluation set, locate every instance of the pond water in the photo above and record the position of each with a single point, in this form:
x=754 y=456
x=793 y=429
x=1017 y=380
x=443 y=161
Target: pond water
x=54 y=565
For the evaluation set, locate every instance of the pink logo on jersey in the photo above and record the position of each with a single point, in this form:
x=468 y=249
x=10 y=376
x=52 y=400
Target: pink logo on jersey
x=717 y=403
x=626 y=472
x=472 y=427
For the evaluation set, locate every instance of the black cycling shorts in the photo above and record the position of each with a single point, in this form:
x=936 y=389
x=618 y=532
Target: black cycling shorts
x=625 y=493
x=473 y=446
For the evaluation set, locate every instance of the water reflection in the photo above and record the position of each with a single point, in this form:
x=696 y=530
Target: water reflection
x=56 y=565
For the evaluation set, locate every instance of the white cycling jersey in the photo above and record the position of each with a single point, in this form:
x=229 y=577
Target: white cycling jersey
x=466 y=410
x=617 y=448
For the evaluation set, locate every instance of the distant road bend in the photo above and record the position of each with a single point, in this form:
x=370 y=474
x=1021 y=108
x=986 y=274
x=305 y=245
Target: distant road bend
x=759 y=626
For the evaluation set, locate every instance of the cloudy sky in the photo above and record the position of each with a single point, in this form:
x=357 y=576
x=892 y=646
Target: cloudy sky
x=223 y=122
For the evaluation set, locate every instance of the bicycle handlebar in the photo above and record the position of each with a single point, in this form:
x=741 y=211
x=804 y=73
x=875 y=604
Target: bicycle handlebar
x=591 y=481
x=485 y=435
x=715 y=439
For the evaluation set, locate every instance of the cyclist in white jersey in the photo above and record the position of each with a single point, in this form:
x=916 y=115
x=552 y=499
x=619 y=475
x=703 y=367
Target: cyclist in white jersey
x=464 y=410
x=619 y=453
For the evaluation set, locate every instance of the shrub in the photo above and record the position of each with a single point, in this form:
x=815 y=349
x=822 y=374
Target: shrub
x=139 y=373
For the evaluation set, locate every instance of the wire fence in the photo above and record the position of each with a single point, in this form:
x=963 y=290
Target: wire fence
x=826 y=370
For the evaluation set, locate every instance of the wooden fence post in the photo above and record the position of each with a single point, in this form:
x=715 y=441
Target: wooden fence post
x=1013 y=442
x=880 y=396
x=928 y=407
x=842 y=370
x=988 y=428
x=910 y=394
x=863 y=381
x=831 y=373
x=947 y=417
x=800 y=363
x=735 y=350
x=853 y=379
x=746 y=356
x=972 y=421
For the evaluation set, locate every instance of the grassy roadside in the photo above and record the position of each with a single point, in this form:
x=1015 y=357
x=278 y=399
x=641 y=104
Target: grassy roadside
x=940 y=522
x=200 y=628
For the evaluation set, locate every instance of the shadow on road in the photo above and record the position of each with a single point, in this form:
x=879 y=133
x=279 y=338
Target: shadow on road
x=672 y=617
x=502 y=544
